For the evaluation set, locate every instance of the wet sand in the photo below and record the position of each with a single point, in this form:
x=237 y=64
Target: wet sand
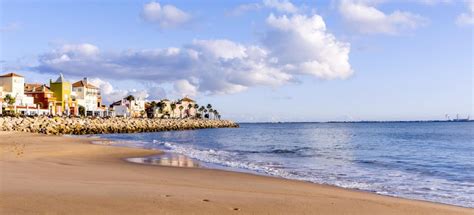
x=42 y=174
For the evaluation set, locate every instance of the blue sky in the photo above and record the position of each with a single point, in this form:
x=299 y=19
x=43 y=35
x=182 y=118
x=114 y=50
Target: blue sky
x=271 y=60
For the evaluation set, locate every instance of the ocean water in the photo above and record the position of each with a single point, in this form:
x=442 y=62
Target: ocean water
x=425 y=161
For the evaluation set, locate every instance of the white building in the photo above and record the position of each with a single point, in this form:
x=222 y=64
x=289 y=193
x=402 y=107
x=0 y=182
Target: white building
x=88 y=96
x=188 y=109
x=125 y=108
x=14 y=85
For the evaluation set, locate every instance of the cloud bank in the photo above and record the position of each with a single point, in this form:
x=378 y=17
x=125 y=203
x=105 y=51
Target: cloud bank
x=295 y=46
x=364 y=17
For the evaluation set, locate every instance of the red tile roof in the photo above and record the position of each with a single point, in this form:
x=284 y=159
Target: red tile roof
x=82 y=83
x=11 y=75
x=29 y=88
x=186 y=99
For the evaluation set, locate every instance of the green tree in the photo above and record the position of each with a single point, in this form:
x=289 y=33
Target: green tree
x=161 y=106
x=173 y=107
x=209 y=108
x=189 y=109
x=205 y=114
x=9 y=99
x=82 y=110
x=130 y=98
x=211 y=113
x=181 y=111
x=201 y=109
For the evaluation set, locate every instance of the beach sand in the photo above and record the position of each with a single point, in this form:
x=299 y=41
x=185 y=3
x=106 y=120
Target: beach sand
x=42 y=174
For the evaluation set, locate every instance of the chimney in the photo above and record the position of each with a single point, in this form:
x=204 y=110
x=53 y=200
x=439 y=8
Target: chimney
x=85 y=81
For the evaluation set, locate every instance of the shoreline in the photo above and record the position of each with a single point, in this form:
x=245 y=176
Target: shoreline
x=250 y=172
x=87 y=173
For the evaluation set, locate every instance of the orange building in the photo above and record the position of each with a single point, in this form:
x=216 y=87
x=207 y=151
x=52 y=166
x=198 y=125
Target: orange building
x=42 y=95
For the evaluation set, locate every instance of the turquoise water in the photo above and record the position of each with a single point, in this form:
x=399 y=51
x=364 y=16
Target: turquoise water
x=426 y=161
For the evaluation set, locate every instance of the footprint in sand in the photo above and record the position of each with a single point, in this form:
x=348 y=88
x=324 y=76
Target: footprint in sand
x=18 y=149
x=206 y=200
x=236 y=209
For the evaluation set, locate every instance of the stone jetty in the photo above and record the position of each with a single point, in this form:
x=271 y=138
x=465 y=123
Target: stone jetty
x=78 y=126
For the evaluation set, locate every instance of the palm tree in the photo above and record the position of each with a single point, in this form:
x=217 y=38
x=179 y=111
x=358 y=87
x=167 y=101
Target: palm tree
x=215 y=113
x=196 y=106
x=205 y=111
x=209 y=108
x=211 y=113
x=201 y=109
x=130 y=98
x=189 y=109
x=181 y=111
x=173 y=107
x=161 y=106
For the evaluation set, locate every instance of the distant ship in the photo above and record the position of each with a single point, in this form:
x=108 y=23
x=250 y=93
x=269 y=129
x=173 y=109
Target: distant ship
x=457 y=118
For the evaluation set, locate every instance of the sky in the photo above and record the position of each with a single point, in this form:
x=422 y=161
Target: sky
x=256 y=61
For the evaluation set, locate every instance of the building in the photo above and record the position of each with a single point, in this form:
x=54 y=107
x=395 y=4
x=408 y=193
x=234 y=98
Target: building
x=14 y=85
x=164 y=109
x=126 y=108
x=88 y=96
x=62 y=90
x=43 y=97
x=188 y=109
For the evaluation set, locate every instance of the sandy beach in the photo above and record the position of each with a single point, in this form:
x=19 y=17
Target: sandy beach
x=42 y=174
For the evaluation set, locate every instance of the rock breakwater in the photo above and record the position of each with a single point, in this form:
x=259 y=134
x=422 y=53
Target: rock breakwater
x=78 y=126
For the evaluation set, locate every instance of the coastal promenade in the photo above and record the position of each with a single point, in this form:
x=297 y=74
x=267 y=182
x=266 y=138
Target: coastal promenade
x=80 y=126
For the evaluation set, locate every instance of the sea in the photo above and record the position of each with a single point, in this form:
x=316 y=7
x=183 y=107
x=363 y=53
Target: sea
x=431 y=161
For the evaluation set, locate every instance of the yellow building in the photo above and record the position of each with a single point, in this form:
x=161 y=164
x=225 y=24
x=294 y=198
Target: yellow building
x=65 y=104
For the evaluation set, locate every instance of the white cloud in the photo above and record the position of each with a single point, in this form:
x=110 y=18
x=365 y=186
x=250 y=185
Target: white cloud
x=83 y=50
x=110 y=94
x=184 y=88
x=165 y=16
x=225 y=49
x=364 y=17
x=467 y=18
x=303 y=45
x=294 y=47
x=281 y=5
x=212 y=66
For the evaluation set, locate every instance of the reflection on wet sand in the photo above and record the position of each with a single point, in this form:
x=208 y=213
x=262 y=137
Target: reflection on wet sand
x=167 y=160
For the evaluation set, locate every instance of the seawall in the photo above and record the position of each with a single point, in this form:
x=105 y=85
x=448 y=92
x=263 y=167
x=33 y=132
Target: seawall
x=79 y=126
